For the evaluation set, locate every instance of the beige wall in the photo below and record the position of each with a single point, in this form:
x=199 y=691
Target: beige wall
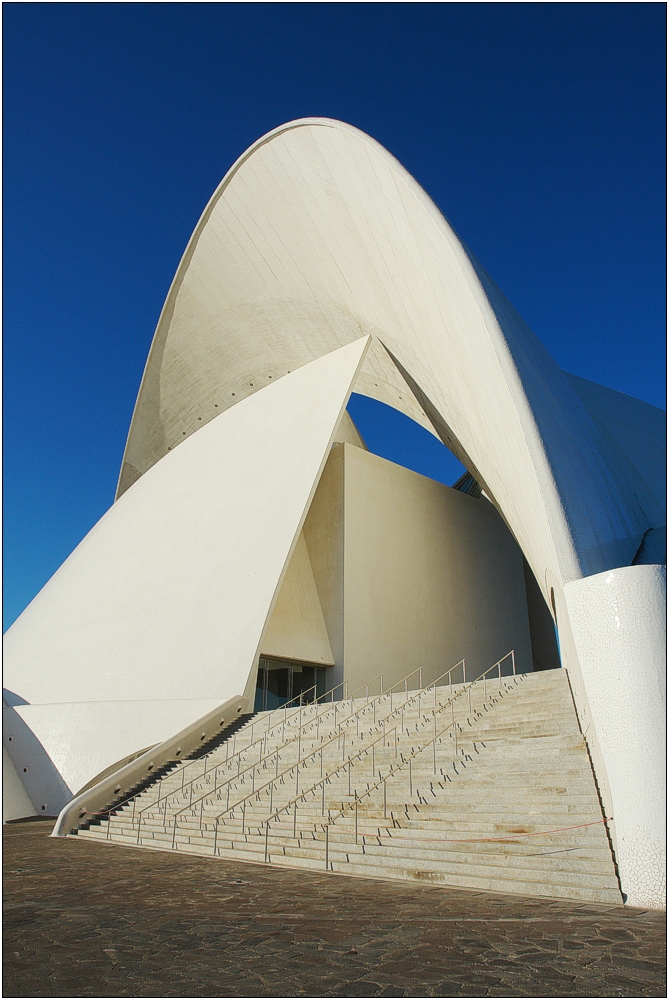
x=411 y=573
x=430 y=576
x=324 y=534
x=296 y=630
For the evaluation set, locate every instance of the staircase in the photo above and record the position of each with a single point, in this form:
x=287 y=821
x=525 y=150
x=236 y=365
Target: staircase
x=485 y=786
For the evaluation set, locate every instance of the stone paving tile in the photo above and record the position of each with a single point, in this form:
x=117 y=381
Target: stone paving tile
x=91 y=920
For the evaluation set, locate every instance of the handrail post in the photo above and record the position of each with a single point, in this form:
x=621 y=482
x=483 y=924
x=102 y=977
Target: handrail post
x=513 y=661
x=356 y=817
x=266 y=839
x=385 y=812
x=327 y=830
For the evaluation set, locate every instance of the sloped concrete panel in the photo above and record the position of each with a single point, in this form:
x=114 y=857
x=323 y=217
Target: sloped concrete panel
x=159 y=613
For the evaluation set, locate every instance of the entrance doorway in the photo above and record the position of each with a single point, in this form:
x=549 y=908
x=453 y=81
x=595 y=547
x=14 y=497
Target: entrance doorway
x=280 y=682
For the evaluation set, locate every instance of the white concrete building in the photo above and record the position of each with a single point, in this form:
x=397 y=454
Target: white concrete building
x=256 y=548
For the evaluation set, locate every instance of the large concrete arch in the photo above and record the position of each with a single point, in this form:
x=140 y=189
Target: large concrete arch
x=317 y=235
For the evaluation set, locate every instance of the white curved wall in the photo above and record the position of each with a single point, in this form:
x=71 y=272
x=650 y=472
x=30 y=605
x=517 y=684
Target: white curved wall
x=318 y=235
x=158 y=615
x=15 y=801
x=617 y=621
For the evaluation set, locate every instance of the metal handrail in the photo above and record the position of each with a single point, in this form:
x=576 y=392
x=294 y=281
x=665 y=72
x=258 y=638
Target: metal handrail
x=393 y=770
x=366 y=749
x=310 y=722
x=190 y=763
x=261 y=739
x=384 y=694
x=306 y=791
x=322 y=781
x=283 y=708
x=417 y=694
x=255 y=792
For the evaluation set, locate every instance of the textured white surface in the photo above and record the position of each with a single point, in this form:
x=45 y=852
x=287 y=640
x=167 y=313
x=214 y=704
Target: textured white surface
x=82 y=738
x=640 y=431
x=170 y=593
x=317 y=235
x=618 y=624
x=15 y=801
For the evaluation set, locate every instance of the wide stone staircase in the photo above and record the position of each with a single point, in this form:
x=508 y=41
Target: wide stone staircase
x=485 y=785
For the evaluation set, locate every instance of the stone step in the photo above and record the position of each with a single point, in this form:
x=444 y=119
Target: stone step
x=521 y=767
x=391 y=857
x=510 y=885
x=597 y=859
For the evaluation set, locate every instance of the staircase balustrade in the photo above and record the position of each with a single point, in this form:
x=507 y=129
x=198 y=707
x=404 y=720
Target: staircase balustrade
x=317 y=718
x=269 y=786
x=405 y=761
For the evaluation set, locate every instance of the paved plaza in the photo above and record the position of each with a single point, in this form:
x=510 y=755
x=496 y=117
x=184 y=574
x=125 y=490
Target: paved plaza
x=90 y=920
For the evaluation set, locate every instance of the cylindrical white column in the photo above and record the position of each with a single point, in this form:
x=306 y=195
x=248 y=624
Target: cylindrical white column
x=618 y=622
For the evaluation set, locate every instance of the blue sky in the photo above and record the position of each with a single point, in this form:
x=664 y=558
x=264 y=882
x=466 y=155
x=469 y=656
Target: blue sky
x=538 y=129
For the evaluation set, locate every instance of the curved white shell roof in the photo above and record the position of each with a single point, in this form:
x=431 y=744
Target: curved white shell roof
x=317 y=236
